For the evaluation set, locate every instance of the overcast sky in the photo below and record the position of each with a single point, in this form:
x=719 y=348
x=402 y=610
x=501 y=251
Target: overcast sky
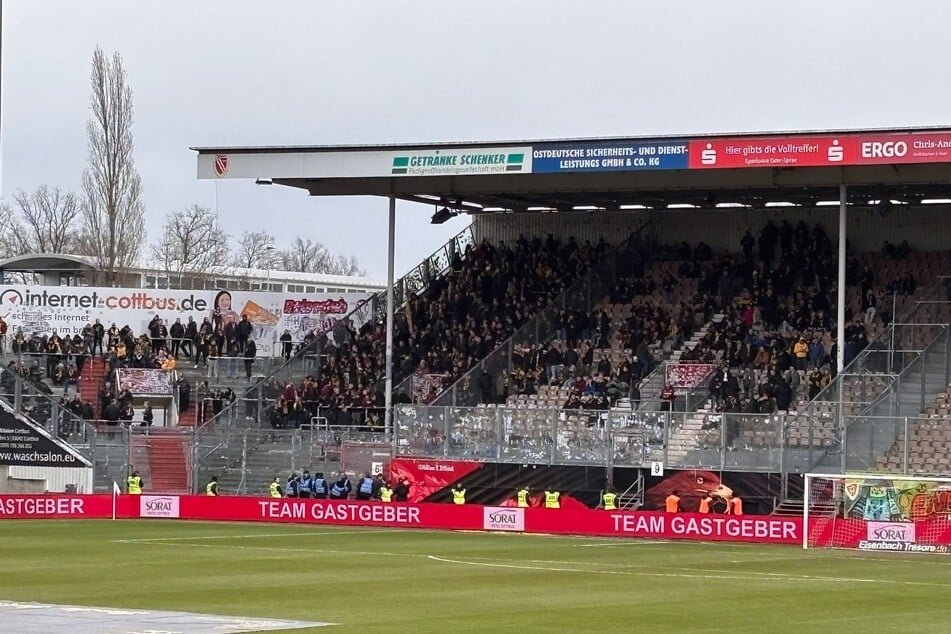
x=241 y=72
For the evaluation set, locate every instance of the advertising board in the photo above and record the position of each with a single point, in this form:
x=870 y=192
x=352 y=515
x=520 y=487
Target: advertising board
x=41 y=310
x=821 y=150
x=503 y=518
x=582 y=521
x=24 y=445
x=164 y=506
x=428 y=476
x=609 y=156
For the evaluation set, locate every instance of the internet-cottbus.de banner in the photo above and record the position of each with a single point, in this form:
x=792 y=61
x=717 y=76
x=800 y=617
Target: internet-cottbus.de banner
x=67 y=309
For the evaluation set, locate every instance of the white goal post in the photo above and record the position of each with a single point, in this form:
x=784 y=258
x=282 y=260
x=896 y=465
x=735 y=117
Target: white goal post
x=877 y=512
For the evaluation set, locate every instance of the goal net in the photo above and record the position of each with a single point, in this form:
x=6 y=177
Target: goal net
x=877 y=512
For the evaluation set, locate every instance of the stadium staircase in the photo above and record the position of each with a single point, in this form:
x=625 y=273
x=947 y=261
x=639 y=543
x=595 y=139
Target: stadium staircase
x=161 y=457
x=653 y=383
x=91 y=380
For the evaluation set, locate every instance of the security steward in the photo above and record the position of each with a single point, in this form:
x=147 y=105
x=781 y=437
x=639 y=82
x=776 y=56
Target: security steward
x=522 y=498
x=672 y=502
x=458 y=495
x=386 y=493
x=211 y=489
x=133 y=484
x=705 y=503
x=319 y=486
x=609 y=500
x=275 y=489
x=552 y=499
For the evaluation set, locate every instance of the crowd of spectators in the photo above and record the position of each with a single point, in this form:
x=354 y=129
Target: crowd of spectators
x=773 y=343
x=600 y=355
x=488 y=293
x=777 y=336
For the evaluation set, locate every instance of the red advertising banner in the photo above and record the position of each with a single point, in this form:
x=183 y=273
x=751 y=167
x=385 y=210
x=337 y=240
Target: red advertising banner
x=35 y=507
x=564 y=521
x=428 y=476
x=574 y=521
x=821 y=150
x=659 y=525
x=339 y=513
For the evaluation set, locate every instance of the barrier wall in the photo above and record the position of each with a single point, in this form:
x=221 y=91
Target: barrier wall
x=650 y=525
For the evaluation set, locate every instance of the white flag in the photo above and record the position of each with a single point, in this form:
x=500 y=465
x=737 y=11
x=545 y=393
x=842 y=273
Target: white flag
x=115 y=488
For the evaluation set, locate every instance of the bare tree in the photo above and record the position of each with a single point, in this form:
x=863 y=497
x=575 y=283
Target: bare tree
x=256 y=250
x=346 y=266
x=303 y=256
x=192 y=242
x=44 y=221
x=308 y=256
x=113 y=229
x=7 y=222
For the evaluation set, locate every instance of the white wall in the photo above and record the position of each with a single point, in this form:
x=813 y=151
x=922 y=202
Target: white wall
x=56 y=478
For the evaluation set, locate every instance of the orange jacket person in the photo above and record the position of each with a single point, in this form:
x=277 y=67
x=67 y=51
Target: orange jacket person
x=735 y=505
x=705 y=502
x=672 y=503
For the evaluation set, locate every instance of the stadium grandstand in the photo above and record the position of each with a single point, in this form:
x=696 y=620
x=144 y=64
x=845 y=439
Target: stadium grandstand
x=749 y=308
x=57 y=269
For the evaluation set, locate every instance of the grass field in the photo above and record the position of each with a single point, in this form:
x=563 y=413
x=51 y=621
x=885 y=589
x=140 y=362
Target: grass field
x=379 y=580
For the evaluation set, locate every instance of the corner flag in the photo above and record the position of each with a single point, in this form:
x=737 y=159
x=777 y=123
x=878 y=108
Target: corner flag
x=115 y=492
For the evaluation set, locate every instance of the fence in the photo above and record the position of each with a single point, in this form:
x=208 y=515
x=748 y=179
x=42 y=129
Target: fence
x=584 y=437
x=105 y=446
x=899 y=444
x=247 y=460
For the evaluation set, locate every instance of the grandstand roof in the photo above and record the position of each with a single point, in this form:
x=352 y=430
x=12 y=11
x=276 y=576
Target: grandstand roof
x=802 y=168
x=47 y=262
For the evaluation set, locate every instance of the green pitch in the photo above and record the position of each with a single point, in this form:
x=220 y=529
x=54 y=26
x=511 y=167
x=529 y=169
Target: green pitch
x=379 y=580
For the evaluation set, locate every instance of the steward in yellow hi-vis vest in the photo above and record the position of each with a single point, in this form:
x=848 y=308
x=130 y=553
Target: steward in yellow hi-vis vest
x=133 y=484
x=386 y=493
x=211 y=488
x=521 y=498
x=609 y=501
x=275 y=489
x=552 y=500
x=458 y=495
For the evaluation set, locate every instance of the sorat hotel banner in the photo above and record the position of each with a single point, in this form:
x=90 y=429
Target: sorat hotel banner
x=66 y=309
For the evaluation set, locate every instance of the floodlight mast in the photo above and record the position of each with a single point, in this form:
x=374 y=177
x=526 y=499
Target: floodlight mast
x=390 y=255
x=840 y=320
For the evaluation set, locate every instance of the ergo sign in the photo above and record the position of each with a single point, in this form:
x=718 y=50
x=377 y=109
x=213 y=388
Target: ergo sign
x=888 y=149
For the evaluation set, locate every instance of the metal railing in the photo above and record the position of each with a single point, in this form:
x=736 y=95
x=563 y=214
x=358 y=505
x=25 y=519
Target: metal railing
x=590 y=437
x=418 y=278
x=899 y=444
x=246 y=460
x=105 y=445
